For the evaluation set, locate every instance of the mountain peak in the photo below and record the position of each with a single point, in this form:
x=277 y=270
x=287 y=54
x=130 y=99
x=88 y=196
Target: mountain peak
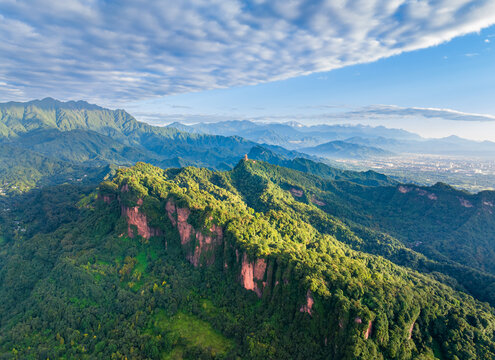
x=51 y=103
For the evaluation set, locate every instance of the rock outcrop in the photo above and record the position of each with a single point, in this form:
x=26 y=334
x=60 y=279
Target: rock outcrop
x=252 y=273
x=367 y=332
x=411 y=330
x=308 y=306
x=198 y=246
x=139 y=220
x=201 y=247
x=296 y=192
x=465 y=203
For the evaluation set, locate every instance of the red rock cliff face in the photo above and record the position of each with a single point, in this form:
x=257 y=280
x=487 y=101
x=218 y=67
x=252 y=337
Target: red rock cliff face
x=204 y=246
x=203 y=251
x=367 y=332
x=200 y=246
x=308 y=307
x=135 y=217
x=411 y=328
x=251 y=273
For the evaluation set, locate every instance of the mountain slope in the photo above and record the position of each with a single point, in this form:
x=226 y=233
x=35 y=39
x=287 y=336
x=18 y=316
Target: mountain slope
x=297 y=136
x=324 y=171
x=21 y=119
x=22 y=169
x=81 y=134
x=345 y=150
x=243 y=257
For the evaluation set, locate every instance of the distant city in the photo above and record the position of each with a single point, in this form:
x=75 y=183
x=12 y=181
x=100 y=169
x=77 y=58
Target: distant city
x=462 y=172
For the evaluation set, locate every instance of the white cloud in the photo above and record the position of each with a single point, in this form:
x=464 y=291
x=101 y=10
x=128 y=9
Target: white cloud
x=107 y=51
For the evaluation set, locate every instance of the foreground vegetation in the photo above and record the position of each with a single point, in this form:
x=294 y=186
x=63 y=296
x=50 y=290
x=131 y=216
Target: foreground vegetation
x=79 y=282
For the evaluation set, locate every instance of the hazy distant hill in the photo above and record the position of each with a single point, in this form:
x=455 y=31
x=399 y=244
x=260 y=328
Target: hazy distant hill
x=345 y=150
x=297 y=136
x=370 y=178
x=452 y=145
x=291 y=134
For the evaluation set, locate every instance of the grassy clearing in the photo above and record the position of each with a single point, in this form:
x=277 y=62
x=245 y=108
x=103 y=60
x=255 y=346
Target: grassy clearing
x=192 y=331
x=142 y=262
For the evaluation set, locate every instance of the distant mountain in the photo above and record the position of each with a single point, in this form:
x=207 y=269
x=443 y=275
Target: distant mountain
x=345 y=150
x=293 y=135
x=341 y=132
x=274 y=134
x=85 y=146
x=452 y=145
x=296 y=136
x=184 y=128
x=370 y=178
x=76 y=132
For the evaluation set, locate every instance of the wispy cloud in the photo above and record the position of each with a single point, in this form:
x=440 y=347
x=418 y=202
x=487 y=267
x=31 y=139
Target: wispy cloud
x=116 y=51
x=379 y=111
x=335 y=114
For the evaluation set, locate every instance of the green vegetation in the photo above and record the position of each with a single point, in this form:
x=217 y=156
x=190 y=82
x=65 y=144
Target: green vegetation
x=75 y=285
x=193 y=333
x=47 y=142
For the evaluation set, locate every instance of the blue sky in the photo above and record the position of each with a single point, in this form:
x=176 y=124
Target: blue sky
x=367 y=61
x=457 y=75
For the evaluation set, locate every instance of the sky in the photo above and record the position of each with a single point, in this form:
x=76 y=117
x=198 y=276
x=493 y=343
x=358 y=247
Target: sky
x=423 y=65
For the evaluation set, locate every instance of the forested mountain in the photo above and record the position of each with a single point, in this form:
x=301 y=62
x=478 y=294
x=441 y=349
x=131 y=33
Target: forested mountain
x=49 y=126
x=297 y=136
x=74 y=140
x=322 y=170
x=257 y=262
x=278 y=256
x=78 y=140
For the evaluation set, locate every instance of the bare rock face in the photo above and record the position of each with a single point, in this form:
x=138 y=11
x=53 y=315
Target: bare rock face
x=185 y=229
x=251 y=273
x=200 y=245
x=170 y=207
x=465 y=203
x=204 y=244
x=296 y=192
x=308 y=306
x=411 y=330
x=404 y=189
x=367 y=332
x=107 y=199
x=138 y=219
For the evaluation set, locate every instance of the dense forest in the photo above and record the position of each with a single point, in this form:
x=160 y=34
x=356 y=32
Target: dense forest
x=261 y=261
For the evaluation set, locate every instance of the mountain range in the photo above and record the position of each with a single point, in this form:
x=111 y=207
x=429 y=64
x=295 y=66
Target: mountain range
x=382 y=141
x=123 y=240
